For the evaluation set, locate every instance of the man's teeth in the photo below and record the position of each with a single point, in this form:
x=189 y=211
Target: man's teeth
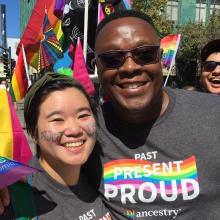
x=132 y=85
x=74 y=144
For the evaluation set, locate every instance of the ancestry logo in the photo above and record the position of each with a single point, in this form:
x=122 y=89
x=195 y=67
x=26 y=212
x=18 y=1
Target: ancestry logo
x=132 y=214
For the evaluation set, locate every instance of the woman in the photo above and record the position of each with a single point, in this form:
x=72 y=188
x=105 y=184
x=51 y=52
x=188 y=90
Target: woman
x=60 y=117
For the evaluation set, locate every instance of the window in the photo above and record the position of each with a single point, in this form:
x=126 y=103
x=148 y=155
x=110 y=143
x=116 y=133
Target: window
x=172 y=11
x=201 y=10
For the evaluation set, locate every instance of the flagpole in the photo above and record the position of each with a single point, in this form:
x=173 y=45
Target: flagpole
x=95 y=75
x=86 y=13
x=168 y=74
x=26 y=67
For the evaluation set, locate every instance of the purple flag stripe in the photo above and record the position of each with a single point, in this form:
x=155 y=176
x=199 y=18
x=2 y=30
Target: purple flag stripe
x=12 y=171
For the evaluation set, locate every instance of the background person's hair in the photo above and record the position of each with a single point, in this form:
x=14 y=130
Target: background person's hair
x=124 y=14
x=211 y=47
x=31 y=113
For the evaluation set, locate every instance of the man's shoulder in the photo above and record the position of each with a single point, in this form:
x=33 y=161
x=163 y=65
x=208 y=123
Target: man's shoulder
x=194 y=98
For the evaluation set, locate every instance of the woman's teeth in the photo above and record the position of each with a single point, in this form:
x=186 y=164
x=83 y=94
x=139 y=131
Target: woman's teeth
x=73 y=144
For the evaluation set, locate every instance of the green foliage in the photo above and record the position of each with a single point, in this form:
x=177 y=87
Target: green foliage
x=213 y=26
x=193 y=37
x=156 y=10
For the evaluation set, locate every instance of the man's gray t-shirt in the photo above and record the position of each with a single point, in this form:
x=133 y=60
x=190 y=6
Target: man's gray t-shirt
x=167 y=169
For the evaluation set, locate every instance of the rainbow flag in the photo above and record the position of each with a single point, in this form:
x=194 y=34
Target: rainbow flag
x=32 y=34
x=80 y=71
x=13 y=142
x=58 y=8
x=19 y=82
x=11 y=171
x=169 y=44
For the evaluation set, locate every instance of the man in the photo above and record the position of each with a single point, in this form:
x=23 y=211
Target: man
x=159 y=147
x=210 y=67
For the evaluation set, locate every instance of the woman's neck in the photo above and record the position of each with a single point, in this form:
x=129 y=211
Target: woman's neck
x=62 y=173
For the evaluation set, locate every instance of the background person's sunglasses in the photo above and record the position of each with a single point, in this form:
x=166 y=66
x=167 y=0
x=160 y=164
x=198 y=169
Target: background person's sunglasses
x=209 y=66
x=143 y=55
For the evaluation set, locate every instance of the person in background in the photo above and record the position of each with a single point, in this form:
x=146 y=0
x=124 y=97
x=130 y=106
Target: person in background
x=61 y=118
x=210 y=67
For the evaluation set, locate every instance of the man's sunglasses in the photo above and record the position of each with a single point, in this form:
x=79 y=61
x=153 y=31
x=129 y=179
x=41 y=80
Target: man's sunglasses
x=209 y=66
x=141 y=55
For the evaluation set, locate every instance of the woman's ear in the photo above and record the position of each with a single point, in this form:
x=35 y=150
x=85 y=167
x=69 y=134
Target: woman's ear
x=35 y=136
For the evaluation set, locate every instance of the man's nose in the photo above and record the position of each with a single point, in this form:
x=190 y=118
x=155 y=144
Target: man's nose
x=216 y=71
x=129 y=65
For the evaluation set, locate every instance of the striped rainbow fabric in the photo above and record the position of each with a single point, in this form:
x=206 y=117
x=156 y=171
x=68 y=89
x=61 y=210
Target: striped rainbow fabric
x=169 y=44
x=13 y=142
x=138 y=172
x=11 y=171
x=19 y=82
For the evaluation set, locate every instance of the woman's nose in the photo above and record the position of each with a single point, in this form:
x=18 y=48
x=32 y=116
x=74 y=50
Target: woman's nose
x=73 y=129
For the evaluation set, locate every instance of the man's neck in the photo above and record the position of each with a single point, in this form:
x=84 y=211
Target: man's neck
x=147 y=115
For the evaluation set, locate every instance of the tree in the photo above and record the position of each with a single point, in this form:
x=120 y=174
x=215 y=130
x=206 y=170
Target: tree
x=193 y=37
x=156 y=10
x=213 y=26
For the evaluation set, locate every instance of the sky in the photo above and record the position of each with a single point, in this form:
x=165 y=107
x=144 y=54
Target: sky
x=12 y=18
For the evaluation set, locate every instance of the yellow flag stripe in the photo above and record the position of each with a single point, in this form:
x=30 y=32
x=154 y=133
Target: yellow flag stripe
x=16 y=88
x=6 y=132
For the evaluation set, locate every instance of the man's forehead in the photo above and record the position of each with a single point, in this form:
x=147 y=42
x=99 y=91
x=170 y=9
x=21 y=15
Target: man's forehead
x=126 y=26
x=126 y=20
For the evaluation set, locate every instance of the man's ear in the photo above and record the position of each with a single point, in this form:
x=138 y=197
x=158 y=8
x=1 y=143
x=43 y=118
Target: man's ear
x=99 y=67
x=161 y=55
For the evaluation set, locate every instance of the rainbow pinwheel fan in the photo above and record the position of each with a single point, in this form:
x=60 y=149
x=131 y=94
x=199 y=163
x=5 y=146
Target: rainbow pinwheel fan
x=50 y=49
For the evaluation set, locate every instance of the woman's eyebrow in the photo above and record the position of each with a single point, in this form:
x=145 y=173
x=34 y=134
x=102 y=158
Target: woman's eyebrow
x=53 y=113
x=84 y=109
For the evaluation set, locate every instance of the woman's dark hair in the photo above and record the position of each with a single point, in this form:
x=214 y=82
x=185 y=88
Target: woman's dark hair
x=38 y=93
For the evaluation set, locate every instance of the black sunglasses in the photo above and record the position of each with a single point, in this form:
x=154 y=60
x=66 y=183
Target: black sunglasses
x=143 y=55
x=209 y=66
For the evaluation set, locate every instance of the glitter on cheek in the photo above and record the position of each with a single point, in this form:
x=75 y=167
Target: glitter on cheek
x=51 y=136
x=90 y=128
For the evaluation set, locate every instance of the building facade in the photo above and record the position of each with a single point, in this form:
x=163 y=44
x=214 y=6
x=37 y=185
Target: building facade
x=183 y=11
x=26 y=7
